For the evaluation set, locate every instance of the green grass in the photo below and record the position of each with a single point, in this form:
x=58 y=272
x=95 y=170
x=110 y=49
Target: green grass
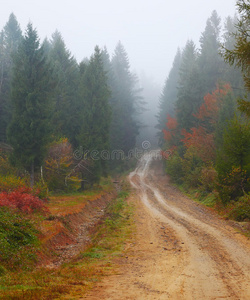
x=209 y=200
x=18 y=241
x=105 y=184
x=73 y=279
x=238 y=211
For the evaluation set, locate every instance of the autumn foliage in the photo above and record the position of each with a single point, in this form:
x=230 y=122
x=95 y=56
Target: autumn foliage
x=200 y=138
x=202 y=141
x=171 y=126
x=194 y=150
x=58 y=164
x=59 y=156
x=208 y=111
x=23 y=199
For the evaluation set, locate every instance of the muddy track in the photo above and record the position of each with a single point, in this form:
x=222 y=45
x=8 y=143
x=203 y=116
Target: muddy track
x=195 y=255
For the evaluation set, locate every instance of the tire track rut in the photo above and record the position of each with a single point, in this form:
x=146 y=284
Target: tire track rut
x=182 y=250
x=224 y=258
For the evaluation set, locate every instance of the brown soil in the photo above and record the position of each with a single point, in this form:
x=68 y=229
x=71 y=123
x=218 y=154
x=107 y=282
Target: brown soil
x=181 y=250
x=66 y=235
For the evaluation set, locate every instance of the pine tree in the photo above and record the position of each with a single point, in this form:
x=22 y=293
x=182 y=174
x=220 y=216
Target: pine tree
x=108 y=68
x=210 y=62
x=125 y=103
x=225 y=116
x=168 y=97
x=29 y=130
x=148 y=117
x=10 y=38
x=239 y=56
x=233 y=160
x=66 y=93
x=189 y=96
x=230 y=73
x=95 y=116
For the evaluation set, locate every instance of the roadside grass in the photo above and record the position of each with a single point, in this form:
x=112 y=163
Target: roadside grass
x=238 y=212
x=105 y=184
x=18 y=241
x=61 y=204
x=208 y=199
x=72 y=280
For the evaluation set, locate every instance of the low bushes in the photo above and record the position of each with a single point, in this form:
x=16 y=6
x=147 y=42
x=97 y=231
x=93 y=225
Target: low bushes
x=228 y=194
x=23 y=199
x=11 y=182
x=240 y=210
x=18 y=240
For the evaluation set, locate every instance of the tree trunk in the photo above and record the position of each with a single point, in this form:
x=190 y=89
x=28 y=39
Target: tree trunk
x=82 y=183
x=42 y=175
x=32 y=175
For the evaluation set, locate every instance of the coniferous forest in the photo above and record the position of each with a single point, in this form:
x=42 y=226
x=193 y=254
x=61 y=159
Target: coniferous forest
x=203 y=120
x=56 y=113
x=71 y=128
x=61 y=121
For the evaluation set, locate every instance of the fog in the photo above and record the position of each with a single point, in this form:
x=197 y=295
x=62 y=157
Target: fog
x=150 y=30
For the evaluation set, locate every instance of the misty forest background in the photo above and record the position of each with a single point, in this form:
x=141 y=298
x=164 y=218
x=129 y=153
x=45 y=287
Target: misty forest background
x=54 y=112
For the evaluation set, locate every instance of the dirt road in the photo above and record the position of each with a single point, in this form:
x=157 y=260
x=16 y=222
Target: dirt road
x=181 y=249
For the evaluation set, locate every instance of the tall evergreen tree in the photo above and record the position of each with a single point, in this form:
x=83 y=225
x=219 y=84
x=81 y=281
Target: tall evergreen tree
x=66 y=93
x=29 y=130
x=226 y=113
x=168 y=97
x=125 y=99
x=189 y=96
x=210 y=62
x=233 y=160
x=95 y=115
x=108 y=68
x=240 y=54
x=148 y=118
x=10 y=38
x=232 y=74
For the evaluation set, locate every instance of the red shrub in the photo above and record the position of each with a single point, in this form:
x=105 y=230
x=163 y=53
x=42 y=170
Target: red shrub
x=22 y=199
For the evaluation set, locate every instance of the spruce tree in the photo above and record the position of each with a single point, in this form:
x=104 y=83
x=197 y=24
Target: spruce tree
x=168 y=97
x=239 y=56
x=230 y=73
x=10 y=38
x=29 y=130
x=209 y=61
x=95 y=116
x=108 y=68
x=189 y=96
x=66 y=93
x=148 y=117
x=125 y=103
x=233 y=160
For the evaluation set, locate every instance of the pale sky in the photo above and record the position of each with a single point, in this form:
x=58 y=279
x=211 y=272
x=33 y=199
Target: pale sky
x=150 y=30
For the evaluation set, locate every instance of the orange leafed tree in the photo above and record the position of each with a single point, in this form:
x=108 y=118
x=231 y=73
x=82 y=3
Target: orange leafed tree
x=171 y=125
x=212 y=102
x=202 y=141
x=202 y=137
x=170 y=137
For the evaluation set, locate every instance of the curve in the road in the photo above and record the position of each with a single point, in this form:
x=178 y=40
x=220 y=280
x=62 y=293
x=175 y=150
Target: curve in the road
x=218 y=266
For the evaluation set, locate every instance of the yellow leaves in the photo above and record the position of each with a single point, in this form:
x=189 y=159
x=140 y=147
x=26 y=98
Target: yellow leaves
x=60 y=156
